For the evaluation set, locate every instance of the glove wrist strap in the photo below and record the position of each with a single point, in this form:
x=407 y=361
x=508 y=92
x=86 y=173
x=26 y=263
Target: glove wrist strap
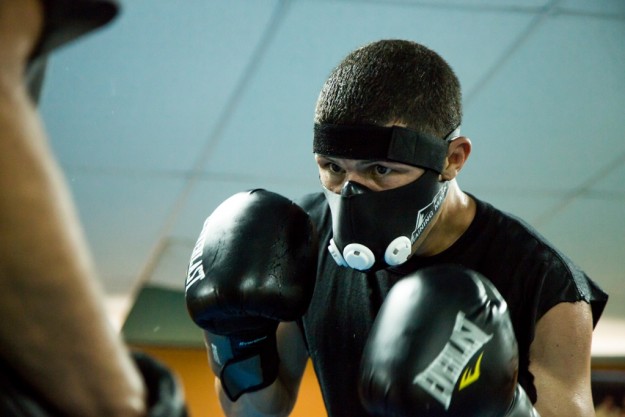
x=244 y=365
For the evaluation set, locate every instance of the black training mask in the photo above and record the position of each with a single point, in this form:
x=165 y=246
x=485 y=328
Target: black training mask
x=374 y=230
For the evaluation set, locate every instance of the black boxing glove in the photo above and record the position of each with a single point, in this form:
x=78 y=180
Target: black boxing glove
x=18 y=399
x=443 y=345
x=253 y=266
x=165 y=394
x=521 y=405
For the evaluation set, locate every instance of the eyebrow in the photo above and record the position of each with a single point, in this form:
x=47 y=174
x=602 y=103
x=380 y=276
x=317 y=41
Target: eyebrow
x=360 y=161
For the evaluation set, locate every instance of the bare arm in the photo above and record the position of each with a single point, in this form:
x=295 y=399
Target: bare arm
x=54 y=330
x=560 y=361
x=279 y=398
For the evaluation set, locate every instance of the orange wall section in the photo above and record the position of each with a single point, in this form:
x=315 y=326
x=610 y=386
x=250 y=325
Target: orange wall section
x=191 y=367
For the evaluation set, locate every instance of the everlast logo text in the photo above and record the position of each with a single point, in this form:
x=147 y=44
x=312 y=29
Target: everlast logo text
x=196 y=271
x=441 y=376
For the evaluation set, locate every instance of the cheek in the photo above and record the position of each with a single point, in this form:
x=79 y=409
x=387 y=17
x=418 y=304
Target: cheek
x=325 y=177
x=395 y=181
x=400 y=180
x=331 y=182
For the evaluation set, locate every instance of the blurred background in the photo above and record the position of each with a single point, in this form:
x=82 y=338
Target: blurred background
x=175 y=106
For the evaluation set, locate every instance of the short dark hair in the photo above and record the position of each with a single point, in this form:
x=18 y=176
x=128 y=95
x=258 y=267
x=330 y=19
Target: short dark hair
x=392 y=81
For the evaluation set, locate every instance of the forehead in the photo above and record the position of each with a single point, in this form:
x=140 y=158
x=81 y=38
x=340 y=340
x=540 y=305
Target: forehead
x=376 y=143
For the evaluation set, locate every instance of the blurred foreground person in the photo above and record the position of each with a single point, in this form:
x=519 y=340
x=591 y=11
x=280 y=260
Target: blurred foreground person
x=59 y=355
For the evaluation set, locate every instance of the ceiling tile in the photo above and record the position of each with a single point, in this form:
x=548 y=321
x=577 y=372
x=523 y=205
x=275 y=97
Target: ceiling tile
x=612 y=8
x=145 y=91
x=171 y=268
x=122 y=218
x=456 y=4
x=208 y=194
x=548 y=118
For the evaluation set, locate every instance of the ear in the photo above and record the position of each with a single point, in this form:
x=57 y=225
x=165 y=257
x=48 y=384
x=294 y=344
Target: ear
x=457 y=154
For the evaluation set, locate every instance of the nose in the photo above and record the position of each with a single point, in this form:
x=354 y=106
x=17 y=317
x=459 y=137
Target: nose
x=351 y=188
x=354 y=179
x=354 y=176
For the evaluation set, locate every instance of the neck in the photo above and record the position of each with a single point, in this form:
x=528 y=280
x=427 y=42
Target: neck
x=450 y=223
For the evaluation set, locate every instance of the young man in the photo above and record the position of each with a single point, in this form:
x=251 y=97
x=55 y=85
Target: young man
x=389 y=151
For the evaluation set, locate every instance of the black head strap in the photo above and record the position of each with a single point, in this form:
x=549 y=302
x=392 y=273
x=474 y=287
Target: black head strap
x=371 y=142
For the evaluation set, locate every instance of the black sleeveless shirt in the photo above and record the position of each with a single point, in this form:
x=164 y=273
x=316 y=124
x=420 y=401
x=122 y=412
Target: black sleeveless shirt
x=527 y=270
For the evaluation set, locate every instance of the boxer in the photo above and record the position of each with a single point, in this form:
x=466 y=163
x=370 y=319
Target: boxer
x=389 y=152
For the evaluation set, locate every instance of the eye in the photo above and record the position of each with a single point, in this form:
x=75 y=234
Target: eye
x=334 y=168
x=382 y=170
